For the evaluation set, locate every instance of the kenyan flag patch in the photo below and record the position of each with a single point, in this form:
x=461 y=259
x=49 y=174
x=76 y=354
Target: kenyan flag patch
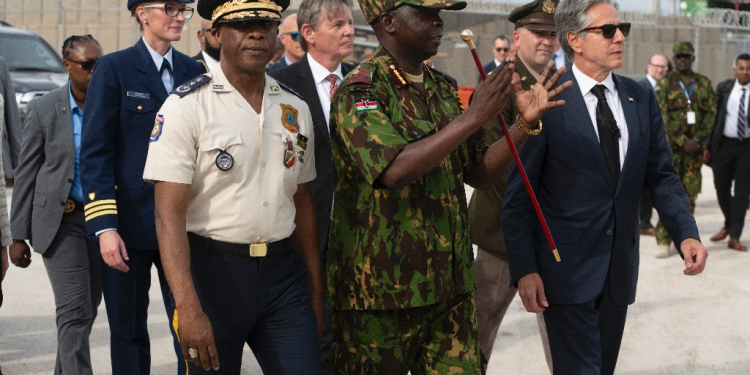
x=366 y=104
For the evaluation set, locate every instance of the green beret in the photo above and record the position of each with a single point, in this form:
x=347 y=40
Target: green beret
x=683 y=48
x=373 y=8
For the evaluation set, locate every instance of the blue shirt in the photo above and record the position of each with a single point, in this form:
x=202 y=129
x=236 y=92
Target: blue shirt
x=166 y=76
x=76 y=192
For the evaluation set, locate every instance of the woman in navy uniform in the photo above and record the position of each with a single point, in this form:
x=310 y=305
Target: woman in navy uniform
x=127 y=88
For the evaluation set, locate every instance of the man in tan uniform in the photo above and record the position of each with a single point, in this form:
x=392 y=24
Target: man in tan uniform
x=230 y=162
x=534 y=39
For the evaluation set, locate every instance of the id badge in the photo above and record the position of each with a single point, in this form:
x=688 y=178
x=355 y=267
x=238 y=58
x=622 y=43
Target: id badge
x=691 y=118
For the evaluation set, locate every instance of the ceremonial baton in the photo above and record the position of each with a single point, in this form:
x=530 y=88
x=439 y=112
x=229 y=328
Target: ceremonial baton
x=467 y=36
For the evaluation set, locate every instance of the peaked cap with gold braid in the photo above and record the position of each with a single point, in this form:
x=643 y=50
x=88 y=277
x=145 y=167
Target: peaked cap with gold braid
x=222 y=11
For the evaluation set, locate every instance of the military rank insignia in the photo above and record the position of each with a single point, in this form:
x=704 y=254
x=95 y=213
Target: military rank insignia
x=302 y=141
x=289 y=118
x=366 y=104
x=158 y=126
x=289 y=156
x=224 y=161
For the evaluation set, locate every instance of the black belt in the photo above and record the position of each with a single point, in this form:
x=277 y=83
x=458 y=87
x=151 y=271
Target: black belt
x=248 y=250
x=73 y=206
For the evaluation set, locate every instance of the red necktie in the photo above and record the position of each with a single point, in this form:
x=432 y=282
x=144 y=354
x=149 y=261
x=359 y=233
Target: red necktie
x=332 y=78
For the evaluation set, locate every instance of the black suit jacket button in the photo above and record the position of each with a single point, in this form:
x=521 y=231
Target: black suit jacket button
x=609 y=232
x=62 y=203
x=70 y=180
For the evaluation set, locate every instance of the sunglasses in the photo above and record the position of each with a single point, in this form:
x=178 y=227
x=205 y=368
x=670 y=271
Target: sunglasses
x=609 y=30
x=85 y=65
x=208 y=29
x=504 y=49
x=685 y=56
x=294 y=34
x=173 y=10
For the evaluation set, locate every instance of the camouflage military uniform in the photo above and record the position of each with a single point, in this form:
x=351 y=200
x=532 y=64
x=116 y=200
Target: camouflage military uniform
x=399 y=257
x=674 y=108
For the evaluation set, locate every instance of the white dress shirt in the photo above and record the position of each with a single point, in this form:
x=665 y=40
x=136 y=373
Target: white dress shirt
x=586 y=83
x=733 y=108
x=210 y=62
x=559 y=58
x=320 y=76
x=166 y=75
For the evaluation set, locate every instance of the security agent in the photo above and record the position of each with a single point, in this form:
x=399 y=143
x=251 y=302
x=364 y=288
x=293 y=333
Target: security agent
x=231 y=158
x=126 y=89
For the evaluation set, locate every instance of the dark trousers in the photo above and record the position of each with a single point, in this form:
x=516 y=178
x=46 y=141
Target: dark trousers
x=263 y=302
x=326 y=339
x=585 y=338
x=73 y=270
x=647 y=209
x=731 y=162
x=126 y=300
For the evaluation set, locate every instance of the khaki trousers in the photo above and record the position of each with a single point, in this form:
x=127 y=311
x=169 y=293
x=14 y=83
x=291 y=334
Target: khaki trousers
x=493 y=295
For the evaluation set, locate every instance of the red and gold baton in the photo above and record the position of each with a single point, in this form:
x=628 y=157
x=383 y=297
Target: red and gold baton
x=467 y=36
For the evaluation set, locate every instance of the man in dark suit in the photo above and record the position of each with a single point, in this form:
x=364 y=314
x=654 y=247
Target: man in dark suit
x=289 y=35
x=655 y=70
x=501 y=49
x=588 y=168
x=47 y=175
x=728 y=152
x=210 y=52
x=12 y=128
x=327 y=35
x=127 y=89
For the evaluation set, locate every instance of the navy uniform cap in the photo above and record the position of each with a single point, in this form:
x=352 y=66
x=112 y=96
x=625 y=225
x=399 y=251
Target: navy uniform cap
x=133 y=3
x=222 y=11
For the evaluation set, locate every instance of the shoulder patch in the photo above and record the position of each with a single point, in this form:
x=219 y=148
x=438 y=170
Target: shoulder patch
x=191 y=85
x=285 y=87
x=361 y=74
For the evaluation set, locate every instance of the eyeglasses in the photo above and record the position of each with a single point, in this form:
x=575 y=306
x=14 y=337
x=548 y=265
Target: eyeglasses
x=609 y=30
x=85 y=65
x=172 y=10
x=208 y=29
x=294 y=35
x=658 y=66
x=504 y=49
x=685 y=56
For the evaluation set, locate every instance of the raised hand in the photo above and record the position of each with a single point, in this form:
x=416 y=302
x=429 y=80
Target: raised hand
x=533 y=103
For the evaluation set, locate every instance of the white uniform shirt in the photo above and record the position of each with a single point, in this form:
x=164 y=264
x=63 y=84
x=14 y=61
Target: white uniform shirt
x=253 y=201
x=586 y=83
x=733 y=108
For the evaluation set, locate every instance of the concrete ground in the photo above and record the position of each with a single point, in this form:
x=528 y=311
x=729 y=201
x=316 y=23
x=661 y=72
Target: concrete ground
x=678 y=324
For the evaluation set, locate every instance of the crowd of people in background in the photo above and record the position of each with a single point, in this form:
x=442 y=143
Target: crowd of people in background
x=311 y=209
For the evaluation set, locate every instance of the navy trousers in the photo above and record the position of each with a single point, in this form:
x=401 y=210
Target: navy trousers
x=263 y=302
x=126 y=300
x=585 y=338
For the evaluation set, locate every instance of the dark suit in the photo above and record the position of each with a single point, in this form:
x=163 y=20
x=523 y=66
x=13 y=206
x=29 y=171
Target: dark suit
x=299 y=78
x=12 y=128
x=42 y=185
x=277 y=65
x=647 y=209
x=730 y=161
x=124 y=95
x=199 y=58
x=593 y=222
x=487 y=69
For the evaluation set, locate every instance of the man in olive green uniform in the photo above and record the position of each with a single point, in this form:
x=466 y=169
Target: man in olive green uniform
x=400 y=262
x=534 y=39
x=687 y=104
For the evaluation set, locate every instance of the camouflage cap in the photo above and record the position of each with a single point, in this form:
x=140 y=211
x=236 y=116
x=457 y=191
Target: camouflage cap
x=683 y=48
x=538 y=15
x=373 y=8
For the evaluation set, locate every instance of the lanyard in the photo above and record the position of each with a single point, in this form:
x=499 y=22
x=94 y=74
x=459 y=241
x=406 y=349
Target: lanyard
x=686 y=93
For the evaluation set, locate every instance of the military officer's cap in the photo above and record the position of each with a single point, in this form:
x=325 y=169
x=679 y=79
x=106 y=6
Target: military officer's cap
x=683 y=48
x=223 y=11
x=538 y=15
x=133 y=3
x=373 y=8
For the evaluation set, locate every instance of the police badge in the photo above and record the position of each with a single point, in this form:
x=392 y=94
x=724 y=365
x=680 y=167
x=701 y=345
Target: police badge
x=224 y=161
x=289 y=118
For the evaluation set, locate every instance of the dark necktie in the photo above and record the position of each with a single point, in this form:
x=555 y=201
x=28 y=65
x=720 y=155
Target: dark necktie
x=165 y=66
x=742 y=119
x=609 y=133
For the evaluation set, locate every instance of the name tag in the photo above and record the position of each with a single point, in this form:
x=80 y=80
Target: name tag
x=141 y=95
x=691 y=118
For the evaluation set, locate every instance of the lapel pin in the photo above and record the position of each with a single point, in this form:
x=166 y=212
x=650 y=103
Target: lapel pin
x=64 y=110
x=631 y=100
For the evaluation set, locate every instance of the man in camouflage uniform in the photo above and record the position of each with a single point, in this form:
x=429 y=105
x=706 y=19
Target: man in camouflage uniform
x=400 y=264
x=535 y=41
x=688 y=124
